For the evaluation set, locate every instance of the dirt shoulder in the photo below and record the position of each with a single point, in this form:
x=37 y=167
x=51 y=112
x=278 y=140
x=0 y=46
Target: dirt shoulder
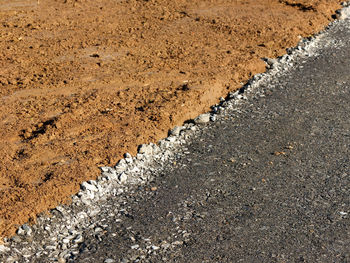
x=82 y=82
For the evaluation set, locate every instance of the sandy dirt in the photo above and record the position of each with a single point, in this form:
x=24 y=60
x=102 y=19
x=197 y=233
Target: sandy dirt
x=84 y=81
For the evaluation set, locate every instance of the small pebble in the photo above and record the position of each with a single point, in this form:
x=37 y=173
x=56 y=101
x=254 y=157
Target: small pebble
x=155 y=247
x=16 y=239
x=146 y=149
x=123 y=178
x=127 y=155
x=203 y=118
x=176 y=131
x=86 y=186
x=78 y=239
x=4 y=249
x=171 y=139
x=135 y=247
x=344 y=13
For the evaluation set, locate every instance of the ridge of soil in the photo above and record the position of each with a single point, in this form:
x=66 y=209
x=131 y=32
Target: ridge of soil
x=83 y=82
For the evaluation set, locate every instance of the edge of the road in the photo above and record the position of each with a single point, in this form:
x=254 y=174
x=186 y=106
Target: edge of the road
x=58 y=235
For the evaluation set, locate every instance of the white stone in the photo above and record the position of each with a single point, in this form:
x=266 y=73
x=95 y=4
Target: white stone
x=111 y=174
x=92 y=182
x=135 y=247
x=21 y=232
x=121 y=162
x=86 y=186
x=105 y=169
x=123 y=177
x=129 y=160
x=135 y=170
x=176 y=130
x=146 y=149
x=24 y=230
x=203 y=118
x=121 y=166
x=139 y=156
x=344 y=13
x=171 y=139
x=51 y=247
x=78 y=239
x=4 y=249
x=155 y=247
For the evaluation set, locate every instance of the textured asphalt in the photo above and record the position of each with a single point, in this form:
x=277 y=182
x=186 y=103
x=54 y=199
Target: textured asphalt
x=270 y=183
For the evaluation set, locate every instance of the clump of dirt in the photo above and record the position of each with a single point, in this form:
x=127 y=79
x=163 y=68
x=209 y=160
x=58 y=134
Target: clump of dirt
x=84 y=81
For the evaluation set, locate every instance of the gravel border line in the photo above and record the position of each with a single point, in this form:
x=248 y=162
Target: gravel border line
x=57 y=237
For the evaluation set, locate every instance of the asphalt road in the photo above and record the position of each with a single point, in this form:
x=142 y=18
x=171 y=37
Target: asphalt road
x=270 y=183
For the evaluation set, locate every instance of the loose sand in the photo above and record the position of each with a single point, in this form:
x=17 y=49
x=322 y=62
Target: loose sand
x=84 y=81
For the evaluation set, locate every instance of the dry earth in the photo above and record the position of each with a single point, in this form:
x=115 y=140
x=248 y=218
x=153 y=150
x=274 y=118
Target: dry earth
x=82 y=82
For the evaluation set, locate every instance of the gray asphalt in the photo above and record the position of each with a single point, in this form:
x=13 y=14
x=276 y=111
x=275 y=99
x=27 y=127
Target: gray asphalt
x=270 y=183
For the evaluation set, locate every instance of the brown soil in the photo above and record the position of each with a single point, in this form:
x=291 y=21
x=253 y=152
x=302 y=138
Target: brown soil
x=84 y=81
